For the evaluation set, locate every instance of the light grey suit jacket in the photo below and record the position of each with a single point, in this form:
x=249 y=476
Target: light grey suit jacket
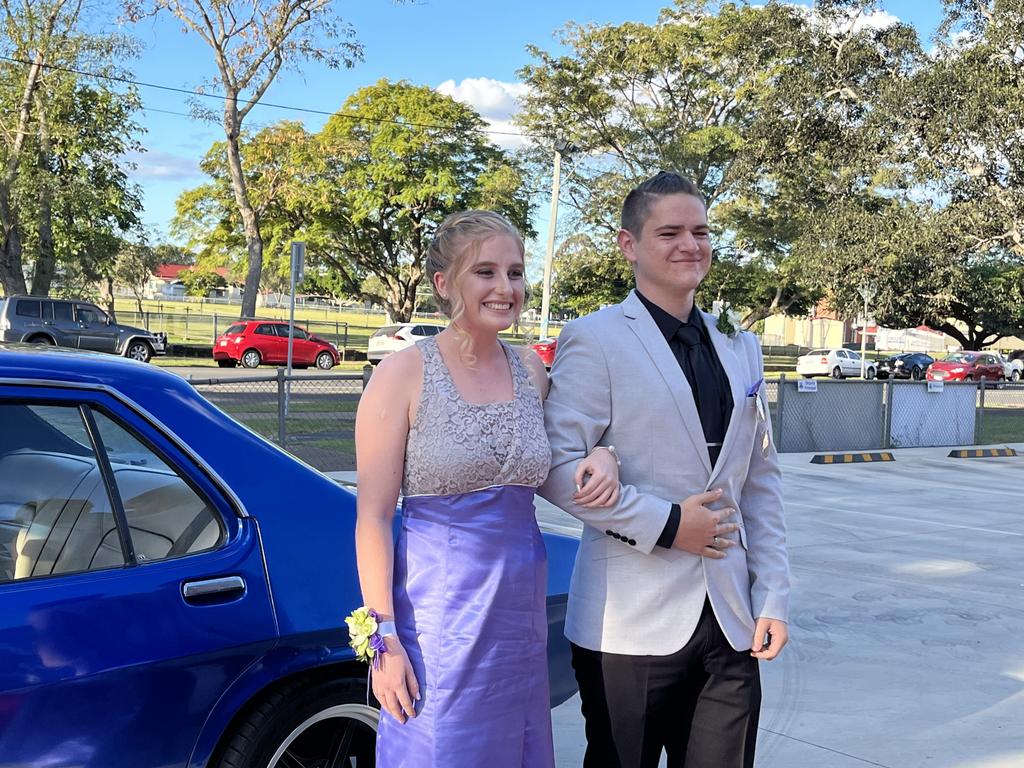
x=616 y=382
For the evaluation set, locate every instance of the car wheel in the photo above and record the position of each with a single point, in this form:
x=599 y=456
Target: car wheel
x=968 y=377
x=42 y=340
x=139 y=350
x=251 y=359
x=869 y=373
x=226 y=363
x=1015 y=376
x=837 y=372
x=808 y=375
x=325 y=361
x=306 y=724
x=915 y=373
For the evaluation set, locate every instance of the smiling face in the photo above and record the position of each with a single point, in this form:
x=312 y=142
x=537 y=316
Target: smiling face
x=490 y=286
x=672 y=252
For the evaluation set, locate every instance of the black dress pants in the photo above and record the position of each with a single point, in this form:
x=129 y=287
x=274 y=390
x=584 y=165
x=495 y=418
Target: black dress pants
x=700 y=704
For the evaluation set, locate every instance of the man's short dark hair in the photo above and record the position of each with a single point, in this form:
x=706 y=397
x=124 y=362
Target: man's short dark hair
x=637 y=205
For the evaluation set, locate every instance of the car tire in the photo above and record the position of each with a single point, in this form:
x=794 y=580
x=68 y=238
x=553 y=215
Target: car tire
x=916 y=374
x=808 y=375
x=138 y=350
x=968 y=377
x=325 y=361
x=305 y=723
x=869 y=373
x=837 y=372
x=251 y=358
x=226 y=363
x=1015 y=376
x=42 y=340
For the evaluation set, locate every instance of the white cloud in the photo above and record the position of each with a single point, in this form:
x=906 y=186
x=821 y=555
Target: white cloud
x=163 y=166
x=495 y=100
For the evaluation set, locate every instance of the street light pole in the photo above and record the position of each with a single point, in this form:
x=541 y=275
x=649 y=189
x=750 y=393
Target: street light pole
x=561 y=145
x=867 y=292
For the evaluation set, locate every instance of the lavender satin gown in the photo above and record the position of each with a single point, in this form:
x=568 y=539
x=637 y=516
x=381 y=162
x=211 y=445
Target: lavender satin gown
x=470 y=580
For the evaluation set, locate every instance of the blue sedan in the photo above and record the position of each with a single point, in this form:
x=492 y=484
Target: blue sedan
x=173 y=586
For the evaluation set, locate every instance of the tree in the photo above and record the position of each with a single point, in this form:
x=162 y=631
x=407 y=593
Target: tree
x=136 y=263
x=200 y=280
x=251 y=41
x=590 y=274
x=770 y=109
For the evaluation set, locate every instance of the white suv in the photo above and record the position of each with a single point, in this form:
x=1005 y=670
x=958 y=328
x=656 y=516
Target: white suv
x=392 y=338
x=837 y=363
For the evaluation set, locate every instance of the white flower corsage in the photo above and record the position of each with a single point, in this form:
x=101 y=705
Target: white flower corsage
x=364 y=636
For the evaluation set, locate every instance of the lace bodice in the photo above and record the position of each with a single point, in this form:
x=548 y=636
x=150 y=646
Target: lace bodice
x=455 y=446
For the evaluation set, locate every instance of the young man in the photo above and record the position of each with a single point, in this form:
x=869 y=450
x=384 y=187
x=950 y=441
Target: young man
x=682 y=587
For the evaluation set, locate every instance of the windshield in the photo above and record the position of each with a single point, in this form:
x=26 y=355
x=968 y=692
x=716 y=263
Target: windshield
x=961 y=357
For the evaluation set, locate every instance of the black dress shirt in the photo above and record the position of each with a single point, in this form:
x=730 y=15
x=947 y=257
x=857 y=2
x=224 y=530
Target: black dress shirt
x=692 y=348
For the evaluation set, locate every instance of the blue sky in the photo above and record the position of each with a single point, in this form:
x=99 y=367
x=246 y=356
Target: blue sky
x=470 y=50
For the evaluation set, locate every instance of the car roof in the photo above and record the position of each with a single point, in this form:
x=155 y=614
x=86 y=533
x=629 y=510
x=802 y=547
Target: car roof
x=60 y=364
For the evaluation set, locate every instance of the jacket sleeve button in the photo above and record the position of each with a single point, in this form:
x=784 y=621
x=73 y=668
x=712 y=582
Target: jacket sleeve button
x=609 y=533
x=632 y=542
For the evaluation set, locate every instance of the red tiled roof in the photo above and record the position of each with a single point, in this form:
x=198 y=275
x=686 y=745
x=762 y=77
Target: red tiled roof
x=173 y=271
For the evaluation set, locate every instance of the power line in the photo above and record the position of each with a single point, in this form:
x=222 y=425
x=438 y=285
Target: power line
x=287 y=107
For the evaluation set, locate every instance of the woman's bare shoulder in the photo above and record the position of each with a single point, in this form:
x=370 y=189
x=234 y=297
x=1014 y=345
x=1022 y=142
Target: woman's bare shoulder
x=535 y=367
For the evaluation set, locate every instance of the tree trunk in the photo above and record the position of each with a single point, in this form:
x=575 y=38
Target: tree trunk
x=250 y=221
x=12 y=275
x=46 y=259
x=109 y=280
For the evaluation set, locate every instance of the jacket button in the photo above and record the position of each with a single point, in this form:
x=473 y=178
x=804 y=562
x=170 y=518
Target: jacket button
x=609 y=533
x=617 y=536
x=632 y=542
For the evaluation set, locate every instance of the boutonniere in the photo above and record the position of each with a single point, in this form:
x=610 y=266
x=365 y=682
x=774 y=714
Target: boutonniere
x=725 y=321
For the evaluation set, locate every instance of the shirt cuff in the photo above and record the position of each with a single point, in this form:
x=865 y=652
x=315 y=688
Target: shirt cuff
x=668 y=534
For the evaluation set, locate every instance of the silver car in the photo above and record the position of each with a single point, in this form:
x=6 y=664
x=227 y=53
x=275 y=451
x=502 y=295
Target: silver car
x=74 y=324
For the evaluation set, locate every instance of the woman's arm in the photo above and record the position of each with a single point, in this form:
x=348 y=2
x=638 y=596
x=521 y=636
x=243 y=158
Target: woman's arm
x=382 y=428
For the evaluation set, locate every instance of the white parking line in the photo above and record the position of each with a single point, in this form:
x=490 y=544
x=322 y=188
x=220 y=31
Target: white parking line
x=961 y=527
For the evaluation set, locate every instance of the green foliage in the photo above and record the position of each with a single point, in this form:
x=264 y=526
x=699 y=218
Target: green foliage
x=201 y=280
x=589 y=275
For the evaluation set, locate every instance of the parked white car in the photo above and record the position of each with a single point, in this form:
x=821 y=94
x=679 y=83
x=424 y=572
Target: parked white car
x=837 y=363
x=392 y=338
x=1013 y=370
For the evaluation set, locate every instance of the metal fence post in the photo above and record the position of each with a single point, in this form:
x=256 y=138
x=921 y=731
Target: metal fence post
x=186 y=323
x=779 y=399
x=282 y=431
x=979 y=420
x=344 y=344
x=367 y=373
x=887 y=420
x=215 y=334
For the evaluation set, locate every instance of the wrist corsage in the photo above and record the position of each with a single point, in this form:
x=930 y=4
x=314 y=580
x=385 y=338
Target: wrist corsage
x=365 y=637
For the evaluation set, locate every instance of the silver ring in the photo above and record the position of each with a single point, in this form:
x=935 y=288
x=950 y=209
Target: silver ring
x=714 y=543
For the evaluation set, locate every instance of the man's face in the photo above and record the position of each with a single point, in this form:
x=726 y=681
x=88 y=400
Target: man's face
x=673 y=251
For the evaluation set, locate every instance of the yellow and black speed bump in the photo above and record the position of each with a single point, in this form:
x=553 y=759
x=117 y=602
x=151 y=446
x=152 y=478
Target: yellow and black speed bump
x=980 y=453
x=851 y=458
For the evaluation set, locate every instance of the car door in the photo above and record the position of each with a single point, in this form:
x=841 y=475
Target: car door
x=303 y=350
x=132 y=592
x=993 y=368
x=851 y=363
x=65 y=327
x=272 y=348
x=95 y=331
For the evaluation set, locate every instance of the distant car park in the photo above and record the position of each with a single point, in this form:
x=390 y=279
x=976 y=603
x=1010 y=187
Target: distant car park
x=392 y=338
x=967 y=366
x=838 y=363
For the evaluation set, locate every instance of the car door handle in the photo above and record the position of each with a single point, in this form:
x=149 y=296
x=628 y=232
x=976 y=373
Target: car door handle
x=206 y=589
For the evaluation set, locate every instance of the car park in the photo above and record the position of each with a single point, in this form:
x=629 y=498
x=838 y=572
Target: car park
x=252 y=343
x=392 y=338
x=77 y=325
x=908 y=365
x=837 y=363
x=546 y=349
x=967 y=366
x=173 y=586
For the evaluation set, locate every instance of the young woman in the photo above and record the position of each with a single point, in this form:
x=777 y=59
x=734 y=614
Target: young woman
x=456 y=424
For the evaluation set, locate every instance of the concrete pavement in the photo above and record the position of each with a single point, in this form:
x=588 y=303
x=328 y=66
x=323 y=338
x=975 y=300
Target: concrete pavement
x=907 y=622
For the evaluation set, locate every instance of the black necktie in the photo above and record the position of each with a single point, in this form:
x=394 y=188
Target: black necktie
x=701 y=377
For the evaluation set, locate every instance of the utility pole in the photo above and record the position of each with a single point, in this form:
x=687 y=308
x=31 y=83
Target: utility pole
x=561 y=147
x=867 y=292
x=298 y=270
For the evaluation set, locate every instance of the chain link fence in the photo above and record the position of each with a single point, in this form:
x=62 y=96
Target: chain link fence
x=311 y=416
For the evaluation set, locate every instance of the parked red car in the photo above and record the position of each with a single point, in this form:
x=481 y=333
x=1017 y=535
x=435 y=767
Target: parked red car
x=546 y=349
x=967 y=366
x=253 y=342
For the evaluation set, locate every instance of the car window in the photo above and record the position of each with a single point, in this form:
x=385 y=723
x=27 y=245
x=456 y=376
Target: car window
x=62 y=311
x=166 y=516
x=282 y=331
x=853 y=355
x=266 y=329
x=27 y=308
x=841 y=353
x=236 y=328
x=55 y=514
x=429 y=330
x=819 y=353
x=87 y=314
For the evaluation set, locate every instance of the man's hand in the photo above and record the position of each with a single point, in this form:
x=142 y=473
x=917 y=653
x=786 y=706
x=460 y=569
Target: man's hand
x=770 y=637
x=702 y=530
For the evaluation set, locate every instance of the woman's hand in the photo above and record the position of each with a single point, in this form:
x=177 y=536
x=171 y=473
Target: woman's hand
x=394 y=683
x=597 y=479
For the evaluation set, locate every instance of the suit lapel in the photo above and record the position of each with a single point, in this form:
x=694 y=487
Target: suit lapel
x=735 y=372
x=649 y=335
